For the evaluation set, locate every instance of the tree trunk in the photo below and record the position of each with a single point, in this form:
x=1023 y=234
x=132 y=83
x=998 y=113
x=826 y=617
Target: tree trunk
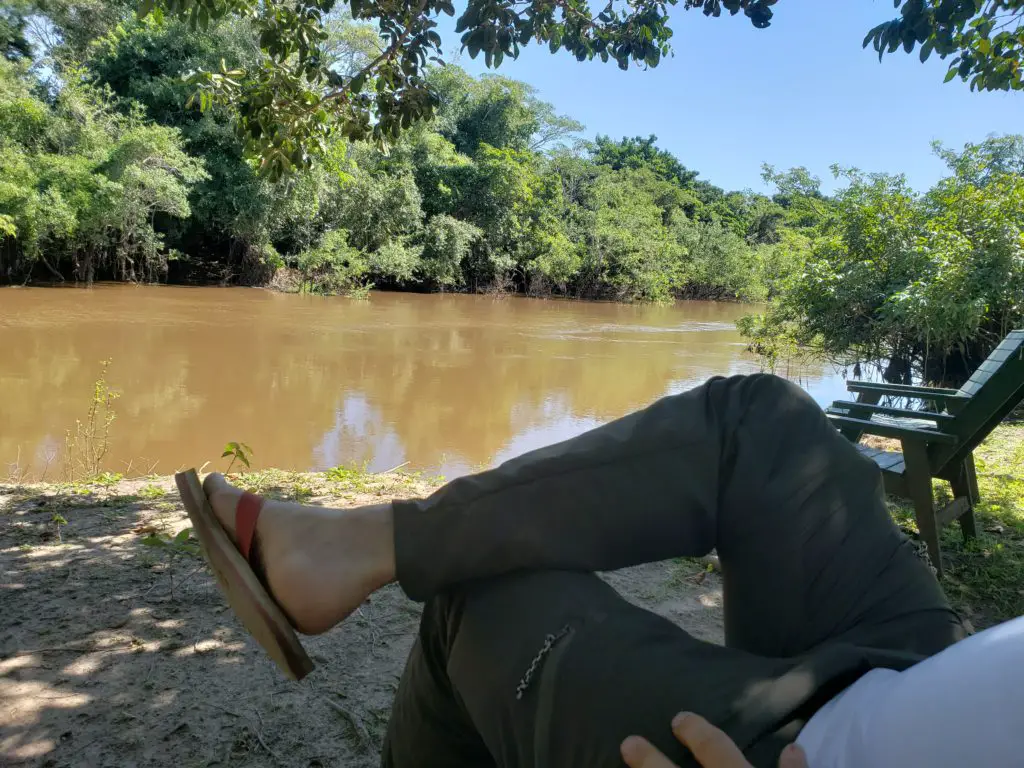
x=898 y=370
x=49 y=266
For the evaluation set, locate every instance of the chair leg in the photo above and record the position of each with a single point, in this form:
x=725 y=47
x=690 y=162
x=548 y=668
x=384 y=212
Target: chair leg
x=919 y=488
x=972 y=478
x=966 y=484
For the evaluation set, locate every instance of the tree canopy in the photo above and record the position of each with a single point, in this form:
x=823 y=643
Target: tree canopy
x=296 y=90
x=984 y=39
x=925 y=283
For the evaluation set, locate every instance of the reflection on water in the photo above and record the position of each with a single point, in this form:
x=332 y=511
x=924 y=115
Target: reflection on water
x=445 y=383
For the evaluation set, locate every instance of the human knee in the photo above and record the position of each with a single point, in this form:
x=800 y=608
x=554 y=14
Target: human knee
x=770 y=398
x=768 y=411
x=767 y=388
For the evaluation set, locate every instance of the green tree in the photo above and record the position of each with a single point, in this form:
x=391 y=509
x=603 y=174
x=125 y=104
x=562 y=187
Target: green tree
x=718 y=262
x=447 y=243
x=505 y=195
x=377 y=208
x=924 y=285
x=494 y=110
x=297 y=91
x=332 y=265
x=638 y=152
x=234 y=211
x=487 y=193
x=630 y=253
x=14 y=45
x=798 y=193
x=83 y=184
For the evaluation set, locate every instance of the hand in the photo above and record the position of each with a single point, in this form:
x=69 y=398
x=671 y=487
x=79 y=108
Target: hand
x=711 y=747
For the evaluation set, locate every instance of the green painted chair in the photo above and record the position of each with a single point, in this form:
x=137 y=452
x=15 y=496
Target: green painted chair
x=938 y=442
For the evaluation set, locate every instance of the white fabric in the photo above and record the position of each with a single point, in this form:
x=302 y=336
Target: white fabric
x=961 y=707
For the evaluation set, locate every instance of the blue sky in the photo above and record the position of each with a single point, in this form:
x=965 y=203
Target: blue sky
x=802 y=92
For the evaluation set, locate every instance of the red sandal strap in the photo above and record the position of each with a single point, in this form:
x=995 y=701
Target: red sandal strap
x=246 y=514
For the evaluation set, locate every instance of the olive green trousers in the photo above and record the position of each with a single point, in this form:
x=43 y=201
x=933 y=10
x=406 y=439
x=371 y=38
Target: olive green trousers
x=526 y=658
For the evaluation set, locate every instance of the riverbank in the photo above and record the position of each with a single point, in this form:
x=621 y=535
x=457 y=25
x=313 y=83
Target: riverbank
x=117 y=647
x=291 y=280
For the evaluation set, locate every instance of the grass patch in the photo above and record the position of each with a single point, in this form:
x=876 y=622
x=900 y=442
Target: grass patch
x=302 y=492
x=274 y=483
x=152 y=492
x=106 y=479
x=984 y=578
x=353 y=478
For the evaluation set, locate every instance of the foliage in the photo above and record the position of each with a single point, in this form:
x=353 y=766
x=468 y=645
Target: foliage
x=924 y=284
x=87 y=444
x=494 y=110
x=181 y=543
x=486 y=194
x=354 y=476
x=295 y=93
x=234 y=210
x=637 y=153
x=83 y=183
x=984 y=37
x=378 y=208
x=292 y=97
x=152 y=492
x=718 y=262
x=333 y=266
x=239 y=452
x=307 y=73
x=631 y=248
x=105 y=174
x=14 y=45
x=447 y=242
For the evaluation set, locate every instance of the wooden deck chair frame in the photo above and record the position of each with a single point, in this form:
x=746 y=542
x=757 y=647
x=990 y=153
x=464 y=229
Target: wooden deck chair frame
x=938 y=442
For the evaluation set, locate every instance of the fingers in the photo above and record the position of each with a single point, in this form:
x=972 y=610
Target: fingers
x=712 y=747
x=638 y=752
x=793 y=756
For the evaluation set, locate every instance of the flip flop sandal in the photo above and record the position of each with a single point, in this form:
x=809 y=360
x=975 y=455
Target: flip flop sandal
x=238 y=570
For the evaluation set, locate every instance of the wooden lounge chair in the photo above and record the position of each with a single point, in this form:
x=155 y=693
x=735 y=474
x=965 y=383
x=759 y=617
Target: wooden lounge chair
x=938 y=442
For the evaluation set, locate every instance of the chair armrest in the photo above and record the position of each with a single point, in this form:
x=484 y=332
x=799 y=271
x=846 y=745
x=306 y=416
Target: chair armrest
x=894 y=430
x=853 y=408
x=905 y=390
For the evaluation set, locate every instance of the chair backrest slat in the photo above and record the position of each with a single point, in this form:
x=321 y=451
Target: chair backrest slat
x=995 y=388
x=1007 y=348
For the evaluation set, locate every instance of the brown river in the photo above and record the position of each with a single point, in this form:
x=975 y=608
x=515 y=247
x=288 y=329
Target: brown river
x=444 y=384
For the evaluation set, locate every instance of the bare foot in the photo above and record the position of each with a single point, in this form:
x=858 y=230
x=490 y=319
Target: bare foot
x=320 y=563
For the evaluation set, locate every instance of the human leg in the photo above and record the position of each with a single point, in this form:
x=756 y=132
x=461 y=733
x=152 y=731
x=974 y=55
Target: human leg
x=553 y=668
x=749 y=465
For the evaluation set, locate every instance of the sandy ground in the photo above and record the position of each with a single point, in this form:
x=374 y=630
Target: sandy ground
x=117 y=653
